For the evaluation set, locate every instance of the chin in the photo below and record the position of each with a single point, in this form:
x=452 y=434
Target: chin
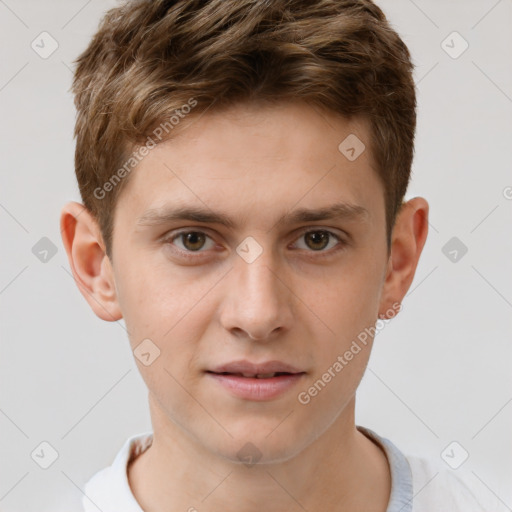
x=255 y=446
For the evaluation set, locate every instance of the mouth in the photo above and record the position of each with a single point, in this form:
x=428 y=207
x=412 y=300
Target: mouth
x=256 y=375
x=256 y=382
x=244 y=368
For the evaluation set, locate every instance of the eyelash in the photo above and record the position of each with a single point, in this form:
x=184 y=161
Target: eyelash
x=192 y=255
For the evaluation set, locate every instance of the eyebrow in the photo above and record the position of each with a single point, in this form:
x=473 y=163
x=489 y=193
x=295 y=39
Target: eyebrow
x=339 y=211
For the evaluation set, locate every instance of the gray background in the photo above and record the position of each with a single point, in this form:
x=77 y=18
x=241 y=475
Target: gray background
x=440 y=371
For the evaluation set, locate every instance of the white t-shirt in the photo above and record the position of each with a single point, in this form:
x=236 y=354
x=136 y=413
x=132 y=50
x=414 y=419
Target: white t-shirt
x=417 y=484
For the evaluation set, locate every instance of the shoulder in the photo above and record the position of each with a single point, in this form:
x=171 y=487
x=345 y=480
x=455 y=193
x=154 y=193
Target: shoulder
x=423 y=484
x=108 y=490
x=445 y=490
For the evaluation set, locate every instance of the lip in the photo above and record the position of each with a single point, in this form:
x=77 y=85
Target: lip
x=253 y=388
x=243 y=366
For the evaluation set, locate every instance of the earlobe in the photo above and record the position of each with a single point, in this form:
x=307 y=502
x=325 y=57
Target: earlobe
x=91 y=267
x=407 y=242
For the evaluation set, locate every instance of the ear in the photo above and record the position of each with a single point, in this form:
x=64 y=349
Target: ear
x=89 y=263
x=407 y=241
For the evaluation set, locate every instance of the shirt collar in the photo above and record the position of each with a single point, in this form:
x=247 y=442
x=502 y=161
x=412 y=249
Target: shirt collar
x=110 y=487
x=400 y=499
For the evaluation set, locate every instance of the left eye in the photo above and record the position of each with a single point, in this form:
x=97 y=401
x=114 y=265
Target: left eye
x=193 y=241
x=318 y=240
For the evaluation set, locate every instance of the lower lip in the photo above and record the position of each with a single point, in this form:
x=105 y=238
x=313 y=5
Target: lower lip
x=257 y=389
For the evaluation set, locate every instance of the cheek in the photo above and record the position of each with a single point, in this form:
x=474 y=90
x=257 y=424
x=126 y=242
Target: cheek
x=348 y=307
x=329 y=392
x=346 y=302
x=175 y=367
x=342 y=352
x=155 y=297
x=174 y=321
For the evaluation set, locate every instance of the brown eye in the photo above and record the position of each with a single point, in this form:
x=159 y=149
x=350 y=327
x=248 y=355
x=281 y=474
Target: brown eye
x=192 y=241
x=317 y=240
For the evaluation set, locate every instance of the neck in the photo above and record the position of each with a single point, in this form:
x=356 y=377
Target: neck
x=341 y=470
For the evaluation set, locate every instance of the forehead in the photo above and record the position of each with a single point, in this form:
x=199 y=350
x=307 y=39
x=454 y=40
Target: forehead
x=259 y=160
x=252 y=131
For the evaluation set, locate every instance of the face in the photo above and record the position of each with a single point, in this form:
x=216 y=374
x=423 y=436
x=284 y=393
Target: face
x=252 y=238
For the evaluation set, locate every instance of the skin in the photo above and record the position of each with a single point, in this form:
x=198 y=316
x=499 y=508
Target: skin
x=297 y=302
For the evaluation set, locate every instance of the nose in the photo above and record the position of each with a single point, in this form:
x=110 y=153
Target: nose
x=257 y=304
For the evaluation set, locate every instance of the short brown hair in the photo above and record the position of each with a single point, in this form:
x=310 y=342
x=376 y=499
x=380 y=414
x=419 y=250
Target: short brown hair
x=151 y=60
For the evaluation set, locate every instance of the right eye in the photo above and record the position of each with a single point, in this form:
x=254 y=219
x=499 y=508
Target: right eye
x=191 y=241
